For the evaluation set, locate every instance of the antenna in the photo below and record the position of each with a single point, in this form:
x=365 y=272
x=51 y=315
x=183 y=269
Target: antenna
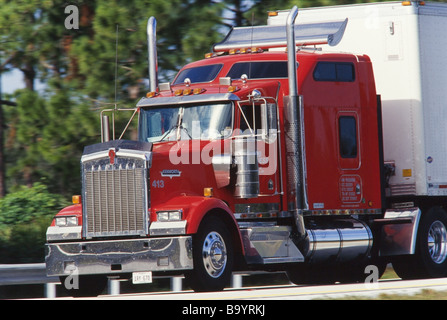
x=116 y=80
x=116 y=63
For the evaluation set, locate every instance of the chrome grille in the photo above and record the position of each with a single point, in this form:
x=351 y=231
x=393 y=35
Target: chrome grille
x=115 y=200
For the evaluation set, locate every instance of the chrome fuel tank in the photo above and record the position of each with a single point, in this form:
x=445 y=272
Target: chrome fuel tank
x=345 y=240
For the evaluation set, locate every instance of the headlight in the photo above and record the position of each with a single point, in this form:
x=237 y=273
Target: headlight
x=66 y=221
x=164 y=216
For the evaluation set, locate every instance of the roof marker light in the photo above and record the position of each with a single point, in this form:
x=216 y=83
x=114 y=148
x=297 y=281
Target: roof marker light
x=232 y=89
x=151 y=94
x=187 y=92
x=199 y=90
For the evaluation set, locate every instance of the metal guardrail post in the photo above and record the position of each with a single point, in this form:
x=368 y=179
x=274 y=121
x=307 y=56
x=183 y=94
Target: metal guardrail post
x=176 y=284
x=50 y=290
x=236 y=281
x=113 y=287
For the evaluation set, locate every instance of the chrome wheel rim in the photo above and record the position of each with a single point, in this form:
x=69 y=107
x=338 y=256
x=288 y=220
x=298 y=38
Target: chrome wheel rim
x=214 y=254
x=437 y=242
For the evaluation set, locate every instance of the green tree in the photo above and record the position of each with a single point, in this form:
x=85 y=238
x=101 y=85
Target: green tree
x=26 y=123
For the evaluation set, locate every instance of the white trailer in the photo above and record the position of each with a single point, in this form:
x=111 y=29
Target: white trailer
x=407 y=43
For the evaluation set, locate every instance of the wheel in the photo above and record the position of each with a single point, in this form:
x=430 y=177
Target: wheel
x=212 y=257
x=430 y=258
x=84 y=285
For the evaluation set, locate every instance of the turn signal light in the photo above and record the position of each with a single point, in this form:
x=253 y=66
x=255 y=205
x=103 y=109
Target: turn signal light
x=208 y=192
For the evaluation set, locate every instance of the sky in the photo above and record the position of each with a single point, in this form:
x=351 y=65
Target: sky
x=13 y=80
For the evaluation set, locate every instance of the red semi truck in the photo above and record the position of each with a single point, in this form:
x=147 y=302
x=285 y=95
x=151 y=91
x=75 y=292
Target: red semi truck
x=266 y=155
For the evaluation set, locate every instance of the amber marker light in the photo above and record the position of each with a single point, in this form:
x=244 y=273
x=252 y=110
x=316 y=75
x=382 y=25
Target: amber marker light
x=76 y=199
x=208 y=192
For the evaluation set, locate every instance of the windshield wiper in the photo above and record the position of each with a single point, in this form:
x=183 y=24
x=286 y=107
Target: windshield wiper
x=177 y=125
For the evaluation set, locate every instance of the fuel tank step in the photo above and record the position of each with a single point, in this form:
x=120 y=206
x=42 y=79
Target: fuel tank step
x=266 y=244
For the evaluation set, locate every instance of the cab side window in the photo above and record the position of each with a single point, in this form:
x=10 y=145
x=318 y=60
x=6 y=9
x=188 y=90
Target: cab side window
x=334 y=71
x=347 y=126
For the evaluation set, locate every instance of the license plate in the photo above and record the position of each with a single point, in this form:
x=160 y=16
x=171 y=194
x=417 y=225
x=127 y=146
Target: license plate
x=141 y=277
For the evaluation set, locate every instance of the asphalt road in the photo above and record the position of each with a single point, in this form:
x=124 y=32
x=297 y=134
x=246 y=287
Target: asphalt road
x=292 y=292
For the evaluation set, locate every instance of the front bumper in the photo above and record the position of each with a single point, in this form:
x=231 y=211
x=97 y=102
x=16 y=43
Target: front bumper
x=119 y=256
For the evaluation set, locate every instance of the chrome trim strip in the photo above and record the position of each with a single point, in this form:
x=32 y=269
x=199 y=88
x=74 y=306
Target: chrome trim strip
x=159 y=228
x=55 y=233
x=142 y=155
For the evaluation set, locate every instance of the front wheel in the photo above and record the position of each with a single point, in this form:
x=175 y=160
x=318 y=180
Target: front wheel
x=212 y=257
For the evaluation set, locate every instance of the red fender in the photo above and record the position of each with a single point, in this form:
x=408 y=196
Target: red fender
x=195 y=208
x=73 y=210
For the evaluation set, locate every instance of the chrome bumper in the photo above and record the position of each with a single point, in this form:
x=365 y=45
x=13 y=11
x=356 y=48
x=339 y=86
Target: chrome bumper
x=119 y=256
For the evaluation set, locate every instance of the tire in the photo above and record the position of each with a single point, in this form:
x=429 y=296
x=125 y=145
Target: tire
x=212 y=257
x=430 y=258
x=84 y=286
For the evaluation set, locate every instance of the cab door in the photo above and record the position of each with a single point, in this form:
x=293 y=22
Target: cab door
x=349 y=157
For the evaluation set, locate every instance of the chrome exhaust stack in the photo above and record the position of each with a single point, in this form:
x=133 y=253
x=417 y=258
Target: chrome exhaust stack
x=294 y=133
x=152 y=53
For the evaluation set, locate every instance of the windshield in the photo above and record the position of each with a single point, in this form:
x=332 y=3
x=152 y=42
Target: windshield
x=204 y=122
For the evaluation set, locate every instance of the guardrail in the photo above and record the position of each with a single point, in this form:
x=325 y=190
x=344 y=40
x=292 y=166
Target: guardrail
x=32 y=273
x=35 y=273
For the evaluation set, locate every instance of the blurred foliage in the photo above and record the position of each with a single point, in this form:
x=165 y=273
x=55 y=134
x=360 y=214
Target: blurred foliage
x=24 y=218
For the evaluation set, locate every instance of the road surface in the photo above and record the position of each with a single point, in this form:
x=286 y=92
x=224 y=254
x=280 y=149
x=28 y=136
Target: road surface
x=293 y=292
